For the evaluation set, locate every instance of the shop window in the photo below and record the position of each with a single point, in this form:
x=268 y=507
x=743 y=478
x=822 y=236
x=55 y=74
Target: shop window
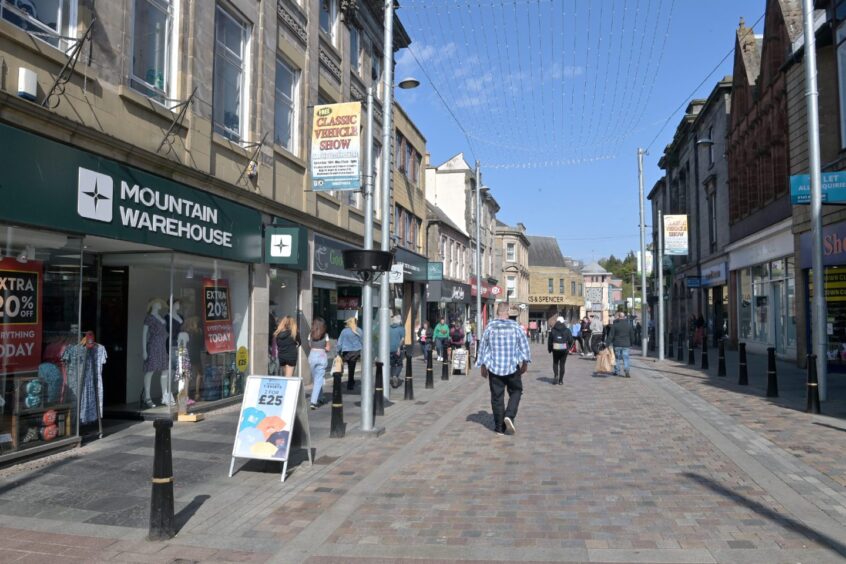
x=745 y=305
x=52 y=21
x=230 y=97
x=511 y=287
x=287 y=91
x=328 y=18
x=153 y=53
x=407 y=159
x=41 y=372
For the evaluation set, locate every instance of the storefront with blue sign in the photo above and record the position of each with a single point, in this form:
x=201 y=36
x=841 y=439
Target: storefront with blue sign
x=336 y=292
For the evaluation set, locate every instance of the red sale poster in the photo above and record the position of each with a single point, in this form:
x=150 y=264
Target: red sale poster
x=217 y=318
x=21 y=290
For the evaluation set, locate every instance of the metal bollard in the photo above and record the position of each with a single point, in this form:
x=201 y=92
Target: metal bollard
x=813 y=404
x=743 y=375
x=162 y=522
x=772 y=377
x=338 y=428
x=721 y=365
x=378 y=392
x=430 y=379
x=691 y=357
x=704 y=357
x=409 y=382
x=445 y=368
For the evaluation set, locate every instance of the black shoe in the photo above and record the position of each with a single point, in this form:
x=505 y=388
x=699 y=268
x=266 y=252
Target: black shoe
x=561 y=382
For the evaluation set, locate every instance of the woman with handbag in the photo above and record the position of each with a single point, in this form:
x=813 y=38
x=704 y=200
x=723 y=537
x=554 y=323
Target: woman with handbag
x=349 y=348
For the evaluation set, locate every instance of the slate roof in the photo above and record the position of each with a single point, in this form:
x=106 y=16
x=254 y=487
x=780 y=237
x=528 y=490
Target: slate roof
x=544 y=251
x=594 y=268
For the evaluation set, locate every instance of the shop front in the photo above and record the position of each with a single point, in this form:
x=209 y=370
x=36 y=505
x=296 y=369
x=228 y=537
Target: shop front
x=336 y=292
x=123 y=292
x=490 y=293
x=715 y=294
x=447 y=299
x=286 y=254
x=409 y=293
x=763 y=279
x=834 y=261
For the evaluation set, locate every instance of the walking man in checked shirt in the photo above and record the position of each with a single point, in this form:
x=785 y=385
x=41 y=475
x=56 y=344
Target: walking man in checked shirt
x=503 y=358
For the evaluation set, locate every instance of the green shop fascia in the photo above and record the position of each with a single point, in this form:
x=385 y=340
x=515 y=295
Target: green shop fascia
x=118 y=250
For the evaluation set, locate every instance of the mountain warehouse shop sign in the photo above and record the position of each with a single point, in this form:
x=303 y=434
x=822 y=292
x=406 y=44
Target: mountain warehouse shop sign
x=78 y=191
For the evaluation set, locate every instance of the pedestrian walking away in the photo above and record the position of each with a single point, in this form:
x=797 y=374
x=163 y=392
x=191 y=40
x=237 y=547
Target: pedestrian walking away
x=576 y=330
x=318 y=359
x=397 y=339
x=349 y=349
x=621 y=336
x=424 y=337
x=287 y=345
x=558 y=344
x=504 y=357
x=441 y=336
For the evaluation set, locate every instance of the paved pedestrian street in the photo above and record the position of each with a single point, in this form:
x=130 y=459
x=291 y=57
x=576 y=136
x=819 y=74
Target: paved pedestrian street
x=602 y=469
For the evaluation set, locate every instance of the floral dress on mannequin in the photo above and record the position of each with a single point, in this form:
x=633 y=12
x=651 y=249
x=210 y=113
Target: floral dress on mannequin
x=156 y=345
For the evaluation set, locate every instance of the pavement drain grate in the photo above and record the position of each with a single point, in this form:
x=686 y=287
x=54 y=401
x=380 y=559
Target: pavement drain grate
x=394 y=495
x=184 y=561
x=740 y=544
x=323 y=460
x=421 y=402
x=323 y=490
x=347 y=473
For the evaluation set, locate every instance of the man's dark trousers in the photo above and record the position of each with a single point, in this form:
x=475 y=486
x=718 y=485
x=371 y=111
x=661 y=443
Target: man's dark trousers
x=514 y=384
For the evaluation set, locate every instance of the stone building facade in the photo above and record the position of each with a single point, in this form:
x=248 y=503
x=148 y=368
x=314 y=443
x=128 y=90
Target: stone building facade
x=513 y=248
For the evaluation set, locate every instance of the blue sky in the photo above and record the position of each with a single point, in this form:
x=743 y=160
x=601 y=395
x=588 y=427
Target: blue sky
x=555 y=100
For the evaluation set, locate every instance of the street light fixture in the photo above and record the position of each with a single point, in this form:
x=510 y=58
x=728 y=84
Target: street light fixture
x=408 y=83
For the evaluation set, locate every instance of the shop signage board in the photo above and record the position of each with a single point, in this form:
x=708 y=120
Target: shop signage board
x=550 y=299
x=675 y=235
x=336 y=147
x=242 y=359
x=835 y=286
x=414 y=266
x=329 y=258
x=21 y=291
x=65 y=188
x=834 y=246
x=270 y=408
x=287 y=246
x=833 y=188
x=693 y=281
x=217 y=316
x=714 y=275
x=395 y=276
x=488 y=290
x=435 y=271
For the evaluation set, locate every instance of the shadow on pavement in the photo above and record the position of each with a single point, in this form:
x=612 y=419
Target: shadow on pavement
x=483 y=418
x=546 y=379
x=767 y=513
x=184 y=515
x=25 y=479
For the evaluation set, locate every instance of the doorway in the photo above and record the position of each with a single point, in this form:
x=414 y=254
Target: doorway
x=114 y=290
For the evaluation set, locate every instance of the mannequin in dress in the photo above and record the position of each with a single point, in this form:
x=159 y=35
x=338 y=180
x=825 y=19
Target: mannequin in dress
x=154 y=351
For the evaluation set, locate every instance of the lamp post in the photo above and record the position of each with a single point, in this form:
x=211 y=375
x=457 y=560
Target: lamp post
x=367 y=291
x=478 y=257
x=819 y=335
x=643 y=320
x=387 y=137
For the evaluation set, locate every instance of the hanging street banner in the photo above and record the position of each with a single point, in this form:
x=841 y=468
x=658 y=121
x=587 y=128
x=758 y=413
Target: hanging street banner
x=217 y=316
x=21 y=324
x=833 y=188
x=675 y=235
x=336 y=147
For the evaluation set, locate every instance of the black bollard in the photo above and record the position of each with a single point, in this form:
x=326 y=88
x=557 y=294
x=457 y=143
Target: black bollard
x=772 y=377
x=430 y=377
x=813 y=405
x=704 y=357
x=721 y=366
x=378 y=392
x=409 y=382
x=445 y=368
x=680 y=349
x=743 y=375
x=338 y=428
x=691 y=357
x=162 y=523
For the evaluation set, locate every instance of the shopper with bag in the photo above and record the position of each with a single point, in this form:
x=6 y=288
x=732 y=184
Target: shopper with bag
x=621 y=337
x=558 y=344
x=349 y=349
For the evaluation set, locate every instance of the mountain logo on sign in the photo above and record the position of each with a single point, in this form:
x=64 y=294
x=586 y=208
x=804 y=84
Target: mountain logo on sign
x=281 y=245
x=95 y=193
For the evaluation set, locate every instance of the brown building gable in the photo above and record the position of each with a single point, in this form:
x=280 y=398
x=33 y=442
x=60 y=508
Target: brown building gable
x=758 y=139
